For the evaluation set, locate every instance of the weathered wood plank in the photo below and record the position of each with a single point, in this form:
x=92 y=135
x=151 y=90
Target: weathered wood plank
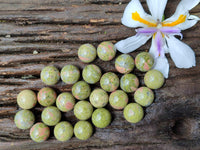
x=55 y=29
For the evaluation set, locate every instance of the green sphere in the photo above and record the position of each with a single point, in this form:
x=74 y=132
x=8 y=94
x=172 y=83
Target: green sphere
x=101 y=118
x=51 y=115
x=99 y=98
x=26 y=99
x=83 y=110
x=133 y=113
x=124 y=63
x=63 y=131
x=118 y=99
x=39 y=132
x=50 y=75
x=106 y=51
x=65 y=102
x=70 y=74
x=154 y=79
x=87 y=53
x=144 y=61
x=144 y=96
x=91 y=74
x=129 y=83
x=24 y=119
x=46 y=96
x=109 y=82
x=81 y=90
x=83 y=130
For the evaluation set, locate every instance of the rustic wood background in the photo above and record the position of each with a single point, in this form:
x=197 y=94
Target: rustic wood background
x=36 y=33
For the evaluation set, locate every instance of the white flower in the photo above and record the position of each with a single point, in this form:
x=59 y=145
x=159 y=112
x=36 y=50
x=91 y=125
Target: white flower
x=163 y=32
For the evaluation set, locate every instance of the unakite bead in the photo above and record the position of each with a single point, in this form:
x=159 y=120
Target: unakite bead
x=99 y=98
x=50 y=75
x=106 y=51
x=144 y=96
x=46 y=96
x=133 y=112
x=39 y=132
x=51 y=115
x=91 y=74
x=101 y=118
x=154 y=79
x=109 y=82
x=144 y=61
x=65 y=102
x=83 y=130
x=83 y=110
x=118 y=99
x=87 y=53
x=63 y=131
x=124 y=63
x=70 y=74
x=26 y=99
x=81 y=90
x=129 y=83
x=24 y=119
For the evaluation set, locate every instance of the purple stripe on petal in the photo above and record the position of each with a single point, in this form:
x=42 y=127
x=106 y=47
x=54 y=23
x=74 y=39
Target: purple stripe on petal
x=159 y=42
x=170 y=30
x=146 y=31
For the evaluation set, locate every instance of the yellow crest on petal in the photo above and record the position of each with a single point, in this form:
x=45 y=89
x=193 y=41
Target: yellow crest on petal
x=180 y=20
x=136 y=17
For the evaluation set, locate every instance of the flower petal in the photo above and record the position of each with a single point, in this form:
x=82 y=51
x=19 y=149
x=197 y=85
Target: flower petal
x=132 y=7
x=157 y=8
x=153 y=49
x=190 y=22
x=188 y=4
x=132 y=43
x=183 y=8
x=158 y=45
x=182 y=55
x=161 y=64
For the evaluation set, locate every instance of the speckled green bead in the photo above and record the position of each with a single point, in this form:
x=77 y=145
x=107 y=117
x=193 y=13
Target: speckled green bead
x=46 y=96
x=109 y=82
x=87 y=53
x=133 y=112
x=91 y=74
x=106 y=51
x=101 y=118
x=24 y=119
x=50 y=75
x=63 y=131
x=81 y=90
x=99 y=98
x=124 y=63
x=26 y=99
x=144 y=61
x=39 y=132
x=144 y=96
x=129 y=83
x=65 y=102
x=51 y=115
x=118 y=99
x=70 y=74
x=83 y=130
x=154 y=79
x=83 y=110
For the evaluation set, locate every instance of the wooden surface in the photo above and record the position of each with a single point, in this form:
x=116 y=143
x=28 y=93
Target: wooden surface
x=55 y=29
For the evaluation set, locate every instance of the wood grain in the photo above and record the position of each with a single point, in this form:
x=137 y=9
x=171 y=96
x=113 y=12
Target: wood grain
x=55 y=29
